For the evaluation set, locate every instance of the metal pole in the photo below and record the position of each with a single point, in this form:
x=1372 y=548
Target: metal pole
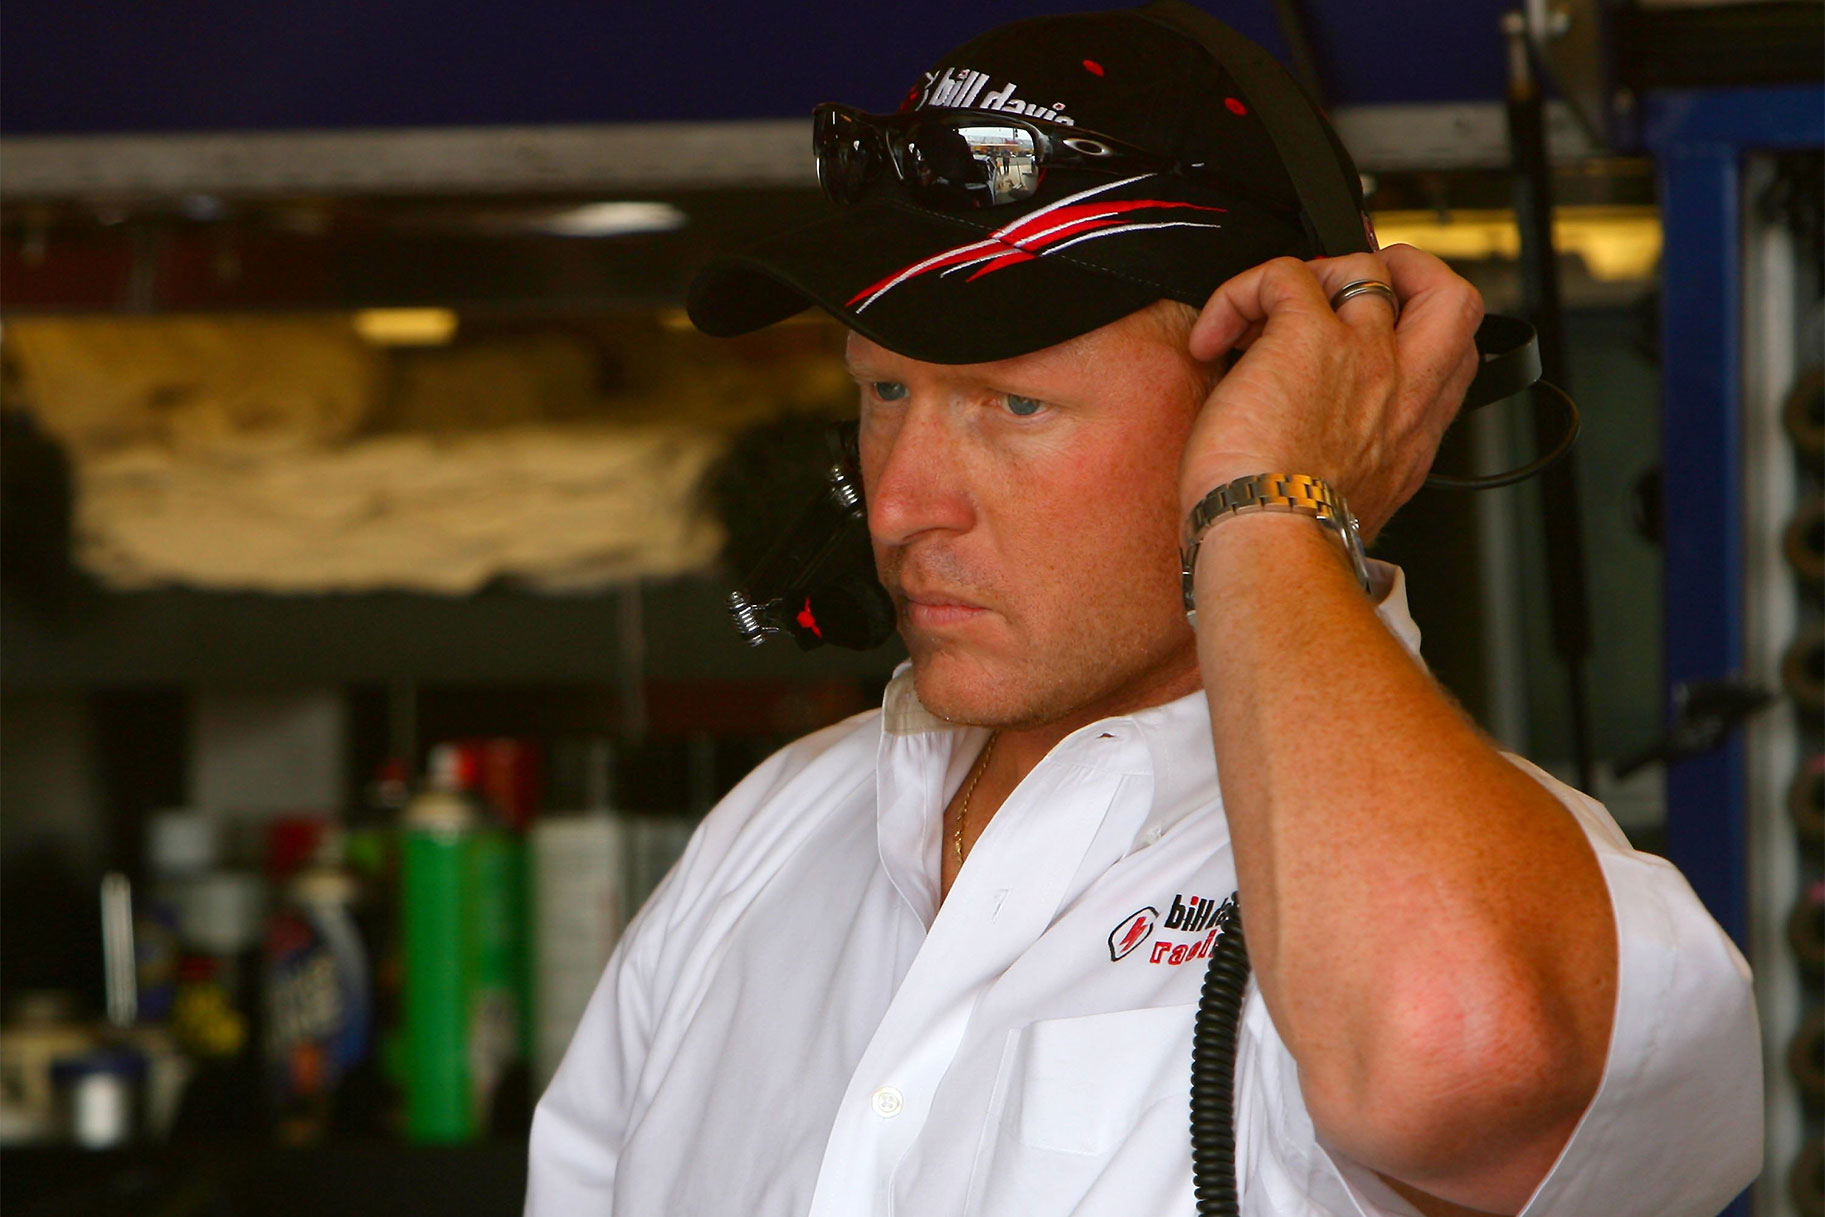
x=1560 y=501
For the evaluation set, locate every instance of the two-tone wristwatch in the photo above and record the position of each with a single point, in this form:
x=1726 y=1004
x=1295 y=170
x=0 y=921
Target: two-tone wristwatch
x=1294 y=492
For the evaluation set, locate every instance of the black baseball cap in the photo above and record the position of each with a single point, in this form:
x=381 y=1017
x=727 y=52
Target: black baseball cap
x=1087 y=249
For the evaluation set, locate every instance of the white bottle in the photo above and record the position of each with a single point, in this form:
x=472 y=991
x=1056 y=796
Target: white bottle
x=579 y=910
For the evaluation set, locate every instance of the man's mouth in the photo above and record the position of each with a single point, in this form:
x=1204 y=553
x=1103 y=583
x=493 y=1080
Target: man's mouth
x=935 y=608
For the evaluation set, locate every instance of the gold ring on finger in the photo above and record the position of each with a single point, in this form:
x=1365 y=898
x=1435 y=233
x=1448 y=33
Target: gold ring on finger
x=1367 y=287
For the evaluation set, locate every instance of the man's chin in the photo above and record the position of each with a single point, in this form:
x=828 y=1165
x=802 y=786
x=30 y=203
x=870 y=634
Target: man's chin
x=961 y=685
x=966 y=693
x=947 y=693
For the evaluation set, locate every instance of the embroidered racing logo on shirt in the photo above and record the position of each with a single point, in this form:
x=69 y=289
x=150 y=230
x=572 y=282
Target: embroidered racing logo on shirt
x=1191 y=915
x=1132 y=932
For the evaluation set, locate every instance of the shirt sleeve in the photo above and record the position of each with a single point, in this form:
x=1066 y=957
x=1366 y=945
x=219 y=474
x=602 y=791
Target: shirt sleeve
x=1675 y=1128
x=1676 y=1125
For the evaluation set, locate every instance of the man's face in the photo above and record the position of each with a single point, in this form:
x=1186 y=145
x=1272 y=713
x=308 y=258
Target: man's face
x=1025 y=519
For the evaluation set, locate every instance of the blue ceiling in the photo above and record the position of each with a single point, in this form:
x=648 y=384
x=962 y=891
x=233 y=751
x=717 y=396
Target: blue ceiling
x=213 y=65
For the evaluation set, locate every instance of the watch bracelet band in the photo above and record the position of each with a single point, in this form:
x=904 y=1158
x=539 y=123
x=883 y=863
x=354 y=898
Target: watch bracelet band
x=1298 y=493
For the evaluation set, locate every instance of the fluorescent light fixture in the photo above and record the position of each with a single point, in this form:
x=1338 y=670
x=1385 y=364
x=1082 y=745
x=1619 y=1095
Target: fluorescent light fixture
x=406 y=327
x=612 y=220
x=1616 y=243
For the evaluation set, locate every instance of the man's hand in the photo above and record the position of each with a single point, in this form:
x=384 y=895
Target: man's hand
x=1348 y=396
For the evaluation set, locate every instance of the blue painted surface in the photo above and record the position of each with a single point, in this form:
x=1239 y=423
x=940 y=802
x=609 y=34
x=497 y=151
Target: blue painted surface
x=110 y=65
x=1699 y=138
x=1783 y=117
x=1701 y=434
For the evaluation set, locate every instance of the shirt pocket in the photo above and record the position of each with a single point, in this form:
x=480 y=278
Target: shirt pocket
x=1086 y=1107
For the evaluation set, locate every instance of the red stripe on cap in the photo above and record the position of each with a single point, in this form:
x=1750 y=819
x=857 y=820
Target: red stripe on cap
x=949 y=258
x=1073 y=222
x=1007 y=259
x=1020 y=238
x=1053 y=226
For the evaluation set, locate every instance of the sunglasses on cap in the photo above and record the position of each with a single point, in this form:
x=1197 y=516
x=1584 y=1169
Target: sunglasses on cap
x=959 y=160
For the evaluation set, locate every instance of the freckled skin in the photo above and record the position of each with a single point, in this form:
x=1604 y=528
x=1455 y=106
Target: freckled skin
x=1061 y=526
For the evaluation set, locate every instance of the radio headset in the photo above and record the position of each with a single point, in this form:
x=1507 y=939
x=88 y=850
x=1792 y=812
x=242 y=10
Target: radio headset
x=818 y=584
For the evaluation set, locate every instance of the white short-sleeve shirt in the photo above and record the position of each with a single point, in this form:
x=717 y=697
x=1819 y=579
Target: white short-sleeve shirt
x=793 y=1025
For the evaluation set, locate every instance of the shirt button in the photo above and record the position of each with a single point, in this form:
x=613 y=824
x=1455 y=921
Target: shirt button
x=888 y=1102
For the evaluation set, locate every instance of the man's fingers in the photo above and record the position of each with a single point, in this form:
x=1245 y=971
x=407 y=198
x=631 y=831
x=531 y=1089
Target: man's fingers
x=1458 y=383
x=1369 y=309
x=1287 y=286
x=1439 y=310
x=1282 y=287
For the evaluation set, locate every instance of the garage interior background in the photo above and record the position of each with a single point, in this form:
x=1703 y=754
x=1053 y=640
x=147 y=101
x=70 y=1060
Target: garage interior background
x=349 y=411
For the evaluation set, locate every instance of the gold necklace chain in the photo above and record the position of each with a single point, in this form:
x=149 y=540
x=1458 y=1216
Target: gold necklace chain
x=963 y=812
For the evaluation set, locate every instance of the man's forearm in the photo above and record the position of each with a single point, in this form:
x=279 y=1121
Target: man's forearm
x=1428 y=925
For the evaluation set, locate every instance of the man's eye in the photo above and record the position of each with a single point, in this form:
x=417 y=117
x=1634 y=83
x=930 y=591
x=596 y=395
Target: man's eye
x=887 y=390
x=1024 y=406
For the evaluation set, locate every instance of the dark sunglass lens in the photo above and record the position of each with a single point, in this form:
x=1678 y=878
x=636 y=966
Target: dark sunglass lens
x=845 y=154
x=957 y=167
x=936 y=164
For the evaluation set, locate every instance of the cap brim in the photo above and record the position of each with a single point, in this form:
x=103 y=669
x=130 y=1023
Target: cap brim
x=918 y=283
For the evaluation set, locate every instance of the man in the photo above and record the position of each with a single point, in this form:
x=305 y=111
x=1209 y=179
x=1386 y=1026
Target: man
x=944 y=959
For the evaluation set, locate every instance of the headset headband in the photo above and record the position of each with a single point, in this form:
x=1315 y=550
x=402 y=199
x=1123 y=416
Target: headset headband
x=1326 y=195
x=1322 y=179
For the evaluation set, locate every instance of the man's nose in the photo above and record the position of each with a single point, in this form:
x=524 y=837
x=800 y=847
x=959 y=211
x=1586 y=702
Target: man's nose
x=916 y=480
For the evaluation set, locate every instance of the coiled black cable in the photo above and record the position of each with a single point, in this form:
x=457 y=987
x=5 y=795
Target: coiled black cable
x=1572 y=424
x=1213 y=1069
